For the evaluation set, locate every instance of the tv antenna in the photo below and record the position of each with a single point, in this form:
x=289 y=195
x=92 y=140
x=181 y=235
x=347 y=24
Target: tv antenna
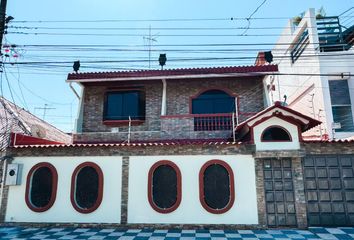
x=150 y=39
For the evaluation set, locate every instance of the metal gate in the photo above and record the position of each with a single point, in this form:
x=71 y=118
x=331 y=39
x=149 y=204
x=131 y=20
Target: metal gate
x=279 y=192
x=329 y=190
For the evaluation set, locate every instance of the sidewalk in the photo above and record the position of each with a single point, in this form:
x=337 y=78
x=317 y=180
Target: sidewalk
x=173 y=234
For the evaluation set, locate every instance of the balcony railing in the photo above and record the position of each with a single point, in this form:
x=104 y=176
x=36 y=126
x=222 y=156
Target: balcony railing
x=214 y=122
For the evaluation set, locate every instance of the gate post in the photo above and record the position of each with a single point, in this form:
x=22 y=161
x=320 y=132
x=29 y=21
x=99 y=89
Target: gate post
x=262 y=215
x=299 y=191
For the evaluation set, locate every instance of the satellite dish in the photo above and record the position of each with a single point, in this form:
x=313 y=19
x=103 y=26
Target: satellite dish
x=38 y=131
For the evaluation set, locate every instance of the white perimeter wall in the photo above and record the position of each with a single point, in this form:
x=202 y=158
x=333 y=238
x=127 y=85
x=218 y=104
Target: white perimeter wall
x=62 y=210
x=190 y=211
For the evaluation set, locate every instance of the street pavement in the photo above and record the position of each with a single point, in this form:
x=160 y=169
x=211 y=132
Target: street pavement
x=173 y=234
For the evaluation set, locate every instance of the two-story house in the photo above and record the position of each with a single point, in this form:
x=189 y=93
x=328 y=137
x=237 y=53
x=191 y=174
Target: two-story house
x=182 y=147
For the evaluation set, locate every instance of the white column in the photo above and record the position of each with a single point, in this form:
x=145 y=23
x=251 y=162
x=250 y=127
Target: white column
x=163 y=103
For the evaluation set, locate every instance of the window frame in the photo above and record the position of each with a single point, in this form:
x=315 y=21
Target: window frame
x=276 y=126
x=348 y=105
x=29 y=186
x=201 y=92
x=231 y=186
x=150 y=186
x=142 y=96
x=73 y=187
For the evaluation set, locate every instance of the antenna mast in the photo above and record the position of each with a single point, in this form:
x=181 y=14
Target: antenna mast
x=151 y=39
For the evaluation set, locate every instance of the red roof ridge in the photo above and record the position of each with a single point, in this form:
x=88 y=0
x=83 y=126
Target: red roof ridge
x=173 y=71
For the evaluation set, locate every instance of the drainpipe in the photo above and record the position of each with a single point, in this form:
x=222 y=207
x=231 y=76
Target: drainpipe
x=73 y=89
x=163 y=103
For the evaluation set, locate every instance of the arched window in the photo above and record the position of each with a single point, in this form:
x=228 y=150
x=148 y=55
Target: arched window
x=41 y=187
x=164 y=186
x=275 y=134
x=216 y=186
x=213 y=101
x=87 y=187
x=214 y=109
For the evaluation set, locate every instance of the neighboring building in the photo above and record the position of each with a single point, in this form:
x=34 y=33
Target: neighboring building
x=156 y=148
x=318 y=54
x=24 y=127
x=14 y=119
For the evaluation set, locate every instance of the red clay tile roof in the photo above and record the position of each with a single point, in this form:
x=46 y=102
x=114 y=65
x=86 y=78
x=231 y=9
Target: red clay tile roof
x=312 y=122
x=172 y=72
x=138 y=144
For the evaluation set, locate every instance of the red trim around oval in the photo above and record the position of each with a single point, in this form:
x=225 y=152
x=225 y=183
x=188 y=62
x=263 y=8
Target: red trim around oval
x=179 y=186
x=100 y=187
x=201 y=187
x=277 y=126
x=54 y=187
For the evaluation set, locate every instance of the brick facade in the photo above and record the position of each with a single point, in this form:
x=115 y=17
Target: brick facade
x=249 y=91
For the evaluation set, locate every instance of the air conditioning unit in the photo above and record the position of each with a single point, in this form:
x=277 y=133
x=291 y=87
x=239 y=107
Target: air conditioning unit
x=336 y=125
x=13 y=174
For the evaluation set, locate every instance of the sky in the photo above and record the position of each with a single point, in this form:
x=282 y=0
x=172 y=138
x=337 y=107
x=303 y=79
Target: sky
x=47 y=36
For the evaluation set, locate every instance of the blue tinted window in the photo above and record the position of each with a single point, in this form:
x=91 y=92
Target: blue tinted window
x=121 y=105
x=213 y=101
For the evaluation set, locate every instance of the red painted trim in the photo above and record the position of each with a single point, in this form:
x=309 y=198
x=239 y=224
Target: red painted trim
x=54 y=186
x=288 y=119
x=228 y=91
x=100 y=187
x=312 y=122
x=201 y=186
x=252 y=135
x=122 y=122
x=18 y=139
x=150 y=186
x=207 y=115
x=277 y=126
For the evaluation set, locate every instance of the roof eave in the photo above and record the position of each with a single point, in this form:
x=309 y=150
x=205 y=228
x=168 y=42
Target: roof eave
x=186 y=76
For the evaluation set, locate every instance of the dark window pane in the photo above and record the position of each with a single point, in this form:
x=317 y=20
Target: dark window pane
x=121 y=105
x=213 y=101
x=275 y=134
x=131 y=104
x=164 y=189
x=339 y=92
x=114 y=106
x=216 y=186
x=86 y=190
x=343 y=115
x=41 y=187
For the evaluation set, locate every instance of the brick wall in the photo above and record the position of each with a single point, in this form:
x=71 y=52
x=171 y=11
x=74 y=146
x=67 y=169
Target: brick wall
x=179 y=93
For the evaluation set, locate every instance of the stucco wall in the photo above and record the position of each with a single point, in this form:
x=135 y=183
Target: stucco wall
x=190 y=211
x=276 y=145
x=62 y=210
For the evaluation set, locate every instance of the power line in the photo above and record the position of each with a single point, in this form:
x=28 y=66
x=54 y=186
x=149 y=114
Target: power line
x=160 y=35
x=156 y=20
x=174 y=59
x=146 y=29
x=250 y=17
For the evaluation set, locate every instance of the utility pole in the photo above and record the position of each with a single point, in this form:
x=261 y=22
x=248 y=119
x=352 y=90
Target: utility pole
x=2 y=21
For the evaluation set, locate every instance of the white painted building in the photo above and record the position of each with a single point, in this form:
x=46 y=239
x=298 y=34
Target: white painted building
x=317 y=53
